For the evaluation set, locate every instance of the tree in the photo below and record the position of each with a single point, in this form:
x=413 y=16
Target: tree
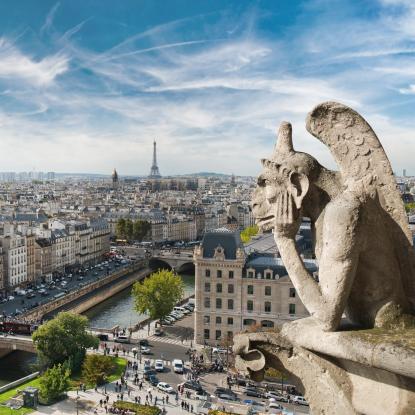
x=141 y=227
x=54 y=382
x=96 y=368
x=248 y=233
x=65 y=337
x=120 y=229
x=129 y=229
x=158 y=294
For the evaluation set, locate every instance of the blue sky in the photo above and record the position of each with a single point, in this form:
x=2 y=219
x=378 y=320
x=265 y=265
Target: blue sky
x=86 y=86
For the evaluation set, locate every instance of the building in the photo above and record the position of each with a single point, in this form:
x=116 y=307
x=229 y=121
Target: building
x=15 y=260
x=43 y=259
x=99 y=239
x=235 y=290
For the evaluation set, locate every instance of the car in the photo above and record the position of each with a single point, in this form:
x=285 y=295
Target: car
x=145 y=350
x=227 y=396
x=158 y=331
x=272 y=394
x=253 y=392
x=147 y=366
x=152 y=378
x=192 y=385
x=103 y=337
x=122 y=339
x=158 y=365
x=143 y=342
x=219 y=350
x=30 y=295
x=165 y=387
x=166 y=322
x=252 y=402
x=299 y=400
x=223 y=391
x=178 y=366
x=275 y=406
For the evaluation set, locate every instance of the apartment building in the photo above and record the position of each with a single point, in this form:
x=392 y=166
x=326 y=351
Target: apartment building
x=234 y=290
x=15 y=260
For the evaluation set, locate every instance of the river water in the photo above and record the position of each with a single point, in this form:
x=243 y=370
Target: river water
x=117 y=310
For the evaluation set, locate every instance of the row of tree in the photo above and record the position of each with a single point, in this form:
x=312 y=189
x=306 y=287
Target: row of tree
x=248 y=233
x=132 y=230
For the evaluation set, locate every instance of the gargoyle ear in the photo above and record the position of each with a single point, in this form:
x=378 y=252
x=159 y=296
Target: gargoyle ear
x=300 y=184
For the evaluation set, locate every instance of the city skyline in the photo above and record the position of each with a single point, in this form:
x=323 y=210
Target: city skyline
x=86 y=87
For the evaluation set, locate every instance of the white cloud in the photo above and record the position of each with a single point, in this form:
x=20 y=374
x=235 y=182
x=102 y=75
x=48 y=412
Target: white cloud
x=14 y=65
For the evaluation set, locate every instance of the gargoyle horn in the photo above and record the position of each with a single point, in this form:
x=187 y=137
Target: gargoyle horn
x=284 y=141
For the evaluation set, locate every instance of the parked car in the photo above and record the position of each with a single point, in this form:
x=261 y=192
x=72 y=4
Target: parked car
x=272 y=394
x=226 y=394
x=165 y=387
x=145 y=350
x=253 y=392
x=274 y=405
x=158 y=365
x=152 y=378
x=122 y=339
x=158 y=331
x=147 y=366
x=299 y=400
x=143 y=342
x=219 y=350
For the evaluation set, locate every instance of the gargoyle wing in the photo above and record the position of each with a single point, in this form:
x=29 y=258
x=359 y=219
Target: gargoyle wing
x=363 y=161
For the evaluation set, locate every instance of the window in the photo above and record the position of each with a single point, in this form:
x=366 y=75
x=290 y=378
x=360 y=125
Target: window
x=268 y=290
x=229 y=335
x=218 y=288
x=267 y=306
x=267 y=323
x=207 y=334
x=207 y=287
x=292 y=309
x=292 y=292
x=250 y=274
x=219 y=273
x=249 y=322
x=218 y=320
x=250 y=289
x=218 y=334
x=230 y=289
x=207 y=273
x=268 y=275
x=230 y=275
x=218 y=303
x=250 y=305
x=206 y=319
x=230 y=304
x=207 y=302
x=230 y=321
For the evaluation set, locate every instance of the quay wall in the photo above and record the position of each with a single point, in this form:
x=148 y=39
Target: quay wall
x=18 y=382
x=92 y=293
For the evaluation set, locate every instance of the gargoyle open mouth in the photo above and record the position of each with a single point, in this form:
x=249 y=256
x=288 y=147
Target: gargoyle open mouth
x=265 y=222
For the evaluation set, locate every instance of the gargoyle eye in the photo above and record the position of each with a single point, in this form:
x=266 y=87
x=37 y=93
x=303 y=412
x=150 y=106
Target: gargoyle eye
x=261 y=181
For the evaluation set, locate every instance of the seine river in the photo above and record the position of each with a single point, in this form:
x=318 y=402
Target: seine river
x=117 y=310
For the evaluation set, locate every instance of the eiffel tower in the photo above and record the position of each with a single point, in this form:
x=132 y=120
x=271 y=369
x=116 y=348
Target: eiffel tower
x=154 y=172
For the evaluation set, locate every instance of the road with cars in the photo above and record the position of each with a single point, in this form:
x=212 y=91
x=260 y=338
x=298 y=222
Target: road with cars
x=41 y=293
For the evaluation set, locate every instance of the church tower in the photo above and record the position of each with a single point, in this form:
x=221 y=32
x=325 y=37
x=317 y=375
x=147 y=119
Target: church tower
x=114 y=179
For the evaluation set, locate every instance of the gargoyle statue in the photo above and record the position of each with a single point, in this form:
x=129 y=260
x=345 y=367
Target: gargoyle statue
x=361 y=237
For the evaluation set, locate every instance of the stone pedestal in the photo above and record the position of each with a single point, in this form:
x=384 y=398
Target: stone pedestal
x=369 y=372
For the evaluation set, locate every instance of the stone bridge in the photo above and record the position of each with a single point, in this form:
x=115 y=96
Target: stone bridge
x=11 y=343
x=177 y=261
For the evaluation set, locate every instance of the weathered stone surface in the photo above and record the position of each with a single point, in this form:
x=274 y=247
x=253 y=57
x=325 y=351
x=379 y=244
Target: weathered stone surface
x=366 y=271
x=362 y=240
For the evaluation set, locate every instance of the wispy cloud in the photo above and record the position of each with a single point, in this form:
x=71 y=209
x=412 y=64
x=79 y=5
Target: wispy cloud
x=49 y=18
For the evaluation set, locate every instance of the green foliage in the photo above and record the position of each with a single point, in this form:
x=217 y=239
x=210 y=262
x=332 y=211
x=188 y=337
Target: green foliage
x=54 y=382
x=410 y=207
x=127 y=229
x=139 y=409
x=65 y=337
x=96 y=369
x=158 y=294
x=248 y=233
x=274 y=373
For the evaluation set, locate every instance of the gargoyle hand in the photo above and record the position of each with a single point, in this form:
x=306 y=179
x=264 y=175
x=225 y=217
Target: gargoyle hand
x=287 y=216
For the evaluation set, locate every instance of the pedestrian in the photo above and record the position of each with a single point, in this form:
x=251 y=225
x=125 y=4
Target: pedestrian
x=182 y=404
x=106 y=409
x=167 y=399
x=191 y=408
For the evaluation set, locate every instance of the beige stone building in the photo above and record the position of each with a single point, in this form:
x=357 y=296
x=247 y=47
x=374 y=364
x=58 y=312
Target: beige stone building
x=15 y=260
x=234 y=290
x=31 y=258
x=43 y=259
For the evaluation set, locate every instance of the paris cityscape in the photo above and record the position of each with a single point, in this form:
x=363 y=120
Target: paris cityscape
x=207 y=207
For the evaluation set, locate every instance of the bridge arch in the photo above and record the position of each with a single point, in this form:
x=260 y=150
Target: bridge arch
x=158 y=264
x=187 y=267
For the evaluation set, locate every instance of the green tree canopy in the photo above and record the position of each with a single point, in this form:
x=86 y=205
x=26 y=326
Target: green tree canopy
x=158 y=294
x=140 y=229
x=62 y=338
x=54 y=382
x=96 y=368
x=248 y=233
x=129 y=229
x=120 y=229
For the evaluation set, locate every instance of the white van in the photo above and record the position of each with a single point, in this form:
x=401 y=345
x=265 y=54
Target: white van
x=178 y=366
